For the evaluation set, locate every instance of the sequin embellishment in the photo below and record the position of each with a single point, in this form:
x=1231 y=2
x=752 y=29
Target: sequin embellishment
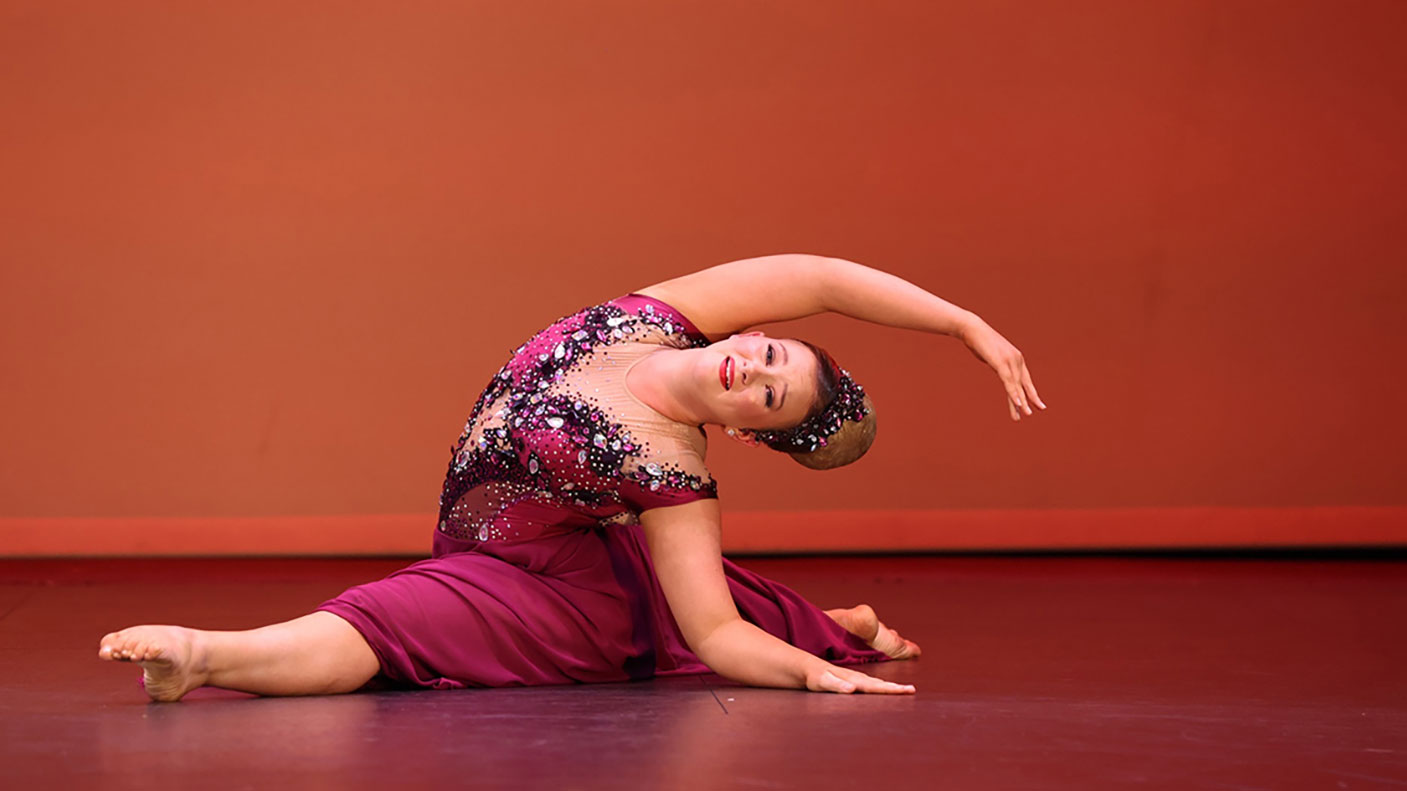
x=534 y=436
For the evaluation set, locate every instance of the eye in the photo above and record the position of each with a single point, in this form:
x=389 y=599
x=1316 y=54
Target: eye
x=769 y=398
x=769 y=354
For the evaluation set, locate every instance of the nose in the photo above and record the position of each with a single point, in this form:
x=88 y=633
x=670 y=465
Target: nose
x=747 y=369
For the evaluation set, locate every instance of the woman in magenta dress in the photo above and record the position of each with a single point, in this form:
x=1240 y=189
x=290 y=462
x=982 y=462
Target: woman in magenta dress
x=578 y=538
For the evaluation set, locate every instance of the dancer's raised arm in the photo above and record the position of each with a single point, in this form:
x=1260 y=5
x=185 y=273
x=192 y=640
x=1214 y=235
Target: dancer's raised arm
x=731 y=297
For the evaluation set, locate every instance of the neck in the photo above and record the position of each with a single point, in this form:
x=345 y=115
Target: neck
x=663 y=379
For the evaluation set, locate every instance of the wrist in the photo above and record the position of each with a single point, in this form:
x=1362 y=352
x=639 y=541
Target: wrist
x=808 y=666
x=968 y=324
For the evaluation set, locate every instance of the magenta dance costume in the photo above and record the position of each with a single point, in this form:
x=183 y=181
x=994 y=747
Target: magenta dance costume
x=539 y=572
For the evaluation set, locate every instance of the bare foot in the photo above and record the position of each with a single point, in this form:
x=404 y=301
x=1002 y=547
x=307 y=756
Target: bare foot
x=171 y=658
x=862 y=622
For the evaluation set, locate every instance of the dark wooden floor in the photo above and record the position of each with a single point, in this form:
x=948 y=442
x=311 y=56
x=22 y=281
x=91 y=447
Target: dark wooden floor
x=1037 y=673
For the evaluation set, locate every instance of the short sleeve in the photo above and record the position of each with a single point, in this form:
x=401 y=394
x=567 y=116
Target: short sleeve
x=679 y=479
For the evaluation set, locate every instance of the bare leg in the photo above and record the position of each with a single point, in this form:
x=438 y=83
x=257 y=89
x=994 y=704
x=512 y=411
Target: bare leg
x=316 y=654
x=862 y=622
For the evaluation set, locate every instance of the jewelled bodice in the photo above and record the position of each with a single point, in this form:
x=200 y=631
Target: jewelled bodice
x=557 y=442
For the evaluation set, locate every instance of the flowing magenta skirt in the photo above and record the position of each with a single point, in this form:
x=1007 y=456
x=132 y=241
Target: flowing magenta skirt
x=577 y=607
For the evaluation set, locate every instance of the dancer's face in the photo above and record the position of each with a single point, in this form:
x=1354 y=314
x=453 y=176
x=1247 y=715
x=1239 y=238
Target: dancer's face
x=754 y=381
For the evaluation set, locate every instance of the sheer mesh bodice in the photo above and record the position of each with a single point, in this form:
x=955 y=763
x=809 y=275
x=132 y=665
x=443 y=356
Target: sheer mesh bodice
x=556 y=442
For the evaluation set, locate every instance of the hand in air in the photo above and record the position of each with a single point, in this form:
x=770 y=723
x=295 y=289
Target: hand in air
x=991 y=348
x=825 y=677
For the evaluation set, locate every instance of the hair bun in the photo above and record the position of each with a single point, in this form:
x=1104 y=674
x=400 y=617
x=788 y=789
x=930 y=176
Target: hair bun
x=851 y=441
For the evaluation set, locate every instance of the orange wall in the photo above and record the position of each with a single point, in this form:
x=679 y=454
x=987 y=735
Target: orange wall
x=259 y=258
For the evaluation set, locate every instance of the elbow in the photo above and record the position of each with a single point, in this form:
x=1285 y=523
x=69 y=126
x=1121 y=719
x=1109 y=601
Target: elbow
x=828 y=274
x=818 y=275
x=710 y=644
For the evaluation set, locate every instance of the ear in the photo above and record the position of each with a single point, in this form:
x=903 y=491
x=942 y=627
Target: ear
x=742 y=435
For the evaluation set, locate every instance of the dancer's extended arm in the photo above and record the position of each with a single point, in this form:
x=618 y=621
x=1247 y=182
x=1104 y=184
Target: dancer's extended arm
x=685 y=548
x=731 y=297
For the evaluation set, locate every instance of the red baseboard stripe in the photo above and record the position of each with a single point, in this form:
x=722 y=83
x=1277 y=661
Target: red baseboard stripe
x=744 y=532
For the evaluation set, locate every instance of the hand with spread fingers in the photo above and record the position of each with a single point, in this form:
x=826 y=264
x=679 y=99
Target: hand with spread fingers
x=825 y=677
x=990 y=347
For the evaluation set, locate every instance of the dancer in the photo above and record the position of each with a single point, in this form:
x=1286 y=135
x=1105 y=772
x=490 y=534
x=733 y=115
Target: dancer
x=578 y=538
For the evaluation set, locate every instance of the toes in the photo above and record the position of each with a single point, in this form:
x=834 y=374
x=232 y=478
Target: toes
x=143 y=652
x=911 y=649
x=125 y=647
x=118 y=646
